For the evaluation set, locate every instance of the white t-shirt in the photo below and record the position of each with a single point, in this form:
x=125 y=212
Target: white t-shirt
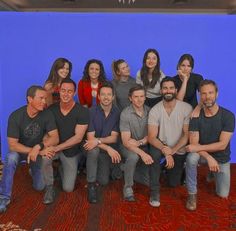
x=170 y=127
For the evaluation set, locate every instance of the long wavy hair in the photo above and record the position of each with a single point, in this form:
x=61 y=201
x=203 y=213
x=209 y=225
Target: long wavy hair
x=53 y=76
x=156 y=74
x=102 y=75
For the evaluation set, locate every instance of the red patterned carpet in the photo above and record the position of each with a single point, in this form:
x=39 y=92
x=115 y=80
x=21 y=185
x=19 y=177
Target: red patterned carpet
x=72 y=212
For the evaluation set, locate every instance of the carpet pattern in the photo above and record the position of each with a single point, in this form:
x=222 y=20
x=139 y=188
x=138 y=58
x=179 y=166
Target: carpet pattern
x=71 y=211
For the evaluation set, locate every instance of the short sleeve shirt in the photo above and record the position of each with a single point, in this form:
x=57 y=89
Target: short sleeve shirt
x=30 y=131
x=170 y=127
x=131 y=122
x=66 y=124
x=210 y=129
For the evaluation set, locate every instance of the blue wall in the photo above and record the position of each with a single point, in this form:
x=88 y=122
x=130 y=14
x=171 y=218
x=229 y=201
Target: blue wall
x=30 y=42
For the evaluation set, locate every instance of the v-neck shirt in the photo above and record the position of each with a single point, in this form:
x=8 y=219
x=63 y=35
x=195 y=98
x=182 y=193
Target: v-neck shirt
x=170 y=127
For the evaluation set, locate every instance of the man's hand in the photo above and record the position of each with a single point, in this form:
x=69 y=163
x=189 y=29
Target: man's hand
x=169 y=161
x=32 y=155
x=48 y=152
x=115 y=156
x=213 y=164
x=90 y=144
x=147 y=159
x=193 y=148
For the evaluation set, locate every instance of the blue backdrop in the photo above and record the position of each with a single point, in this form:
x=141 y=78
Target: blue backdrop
x=30 y=42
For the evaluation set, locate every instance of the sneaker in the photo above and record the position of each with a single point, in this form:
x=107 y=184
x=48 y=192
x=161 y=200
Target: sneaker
x=130 y=198
x=154 y=202
x=49 y=195
x=3 y=204
x=128 y=194
x=92 y=193
x=191 y=203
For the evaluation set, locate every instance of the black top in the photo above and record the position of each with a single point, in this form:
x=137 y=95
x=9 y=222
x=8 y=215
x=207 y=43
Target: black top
x=30 y=131
x=192 y=88
x=66 y=124
x=210 y=129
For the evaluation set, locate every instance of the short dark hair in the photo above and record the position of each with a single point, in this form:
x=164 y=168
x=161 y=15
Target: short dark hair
x=136 y=88
x=186 y=57
x=69 y=81
x=107 y=85
x=32 y=90
x=167 y=79
x=208 y=82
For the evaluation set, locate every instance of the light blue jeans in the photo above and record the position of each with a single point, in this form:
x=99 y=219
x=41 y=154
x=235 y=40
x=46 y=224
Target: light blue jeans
x=9 y=168
x=222 y=178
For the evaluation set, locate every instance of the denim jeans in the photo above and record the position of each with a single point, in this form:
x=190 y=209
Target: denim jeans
x=222 y=178
x=9 y=168
x=68 y=171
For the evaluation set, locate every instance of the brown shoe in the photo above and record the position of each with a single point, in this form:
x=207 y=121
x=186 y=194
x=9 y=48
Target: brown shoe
x=191 y=203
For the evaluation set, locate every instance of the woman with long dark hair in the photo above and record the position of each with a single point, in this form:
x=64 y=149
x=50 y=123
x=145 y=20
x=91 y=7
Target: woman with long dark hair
x=150 y=77
x=61 y=69
x=93 y=77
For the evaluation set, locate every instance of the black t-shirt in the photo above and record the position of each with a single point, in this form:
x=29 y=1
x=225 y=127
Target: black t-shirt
x=30 y=131
x=192 y=88
x=66 y=124
x=210 y=129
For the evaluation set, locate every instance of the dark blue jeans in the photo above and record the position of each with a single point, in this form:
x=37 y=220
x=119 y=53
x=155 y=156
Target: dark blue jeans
x=12 y=160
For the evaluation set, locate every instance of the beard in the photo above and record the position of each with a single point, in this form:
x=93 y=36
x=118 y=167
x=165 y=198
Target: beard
x=169 y=96
x=209 y=104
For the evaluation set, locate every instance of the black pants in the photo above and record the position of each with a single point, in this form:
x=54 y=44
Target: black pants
x=150 y=102
x=173 y=175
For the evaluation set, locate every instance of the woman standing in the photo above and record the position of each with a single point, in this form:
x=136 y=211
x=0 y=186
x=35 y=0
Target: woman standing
x=93 y=77
x=122 y=82
x=60 y=70
x=187 y=82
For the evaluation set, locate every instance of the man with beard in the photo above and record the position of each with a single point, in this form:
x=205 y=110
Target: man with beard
x=101 y=141
x=168 y=134
x=210 y=135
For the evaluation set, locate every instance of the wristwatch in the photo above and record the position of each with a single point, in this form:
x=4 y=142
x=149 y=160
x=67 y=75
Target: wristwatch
x=41 y=146
x=141 y=143
x=99 y=141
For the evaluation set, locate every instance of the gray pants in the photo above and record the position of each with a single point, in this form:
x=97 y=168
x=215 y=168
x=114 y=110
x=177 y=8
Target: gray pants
x=68 y=171
x=134 y=170
x=98 y=166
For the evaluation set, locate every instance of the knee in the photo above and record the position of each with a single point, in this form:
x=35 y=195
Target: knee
x=46 y=161
x=12 y=158
x=93 y=154
x=132 y=159
x=192 y=159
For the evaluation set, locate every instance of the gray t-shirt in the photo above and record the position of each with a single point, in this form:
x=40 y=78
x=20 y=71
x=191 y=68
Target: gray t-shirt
x=170 y=127
x=122 y=91
x=130 y=121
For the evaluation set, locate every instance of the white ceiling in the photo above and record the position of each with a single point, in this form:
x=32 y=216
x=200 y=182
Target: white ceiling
x=176 y=6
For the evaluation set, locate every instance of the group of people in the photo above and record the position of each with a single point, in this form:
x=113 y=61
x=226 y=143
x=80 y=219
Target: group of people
x=126 y=125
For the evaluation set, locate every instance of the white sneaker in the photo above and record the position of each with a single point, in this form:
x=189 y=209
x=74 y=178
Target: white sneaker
x=154 y=203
